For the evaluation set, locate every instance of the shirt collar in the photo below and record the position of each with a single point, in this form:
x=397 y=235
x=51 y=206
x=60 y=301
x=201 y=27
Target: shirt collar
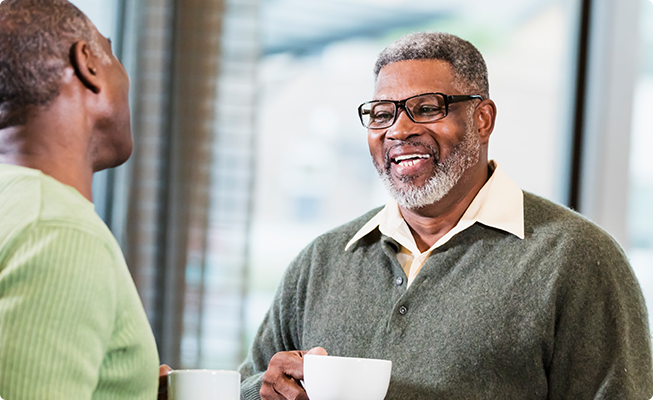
x=499 y=204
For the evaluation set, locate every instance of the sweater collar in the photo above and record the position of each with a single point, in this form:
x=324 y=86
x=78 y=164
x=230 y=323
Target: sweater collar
x=499 y=204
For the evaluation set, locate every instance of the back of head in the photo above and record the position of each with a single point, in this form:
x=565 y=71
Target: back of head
x=467 y=64
x=36 y=37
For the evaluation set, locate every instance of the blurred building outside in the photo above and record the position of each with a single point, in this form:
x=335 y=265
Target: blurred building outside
x=313 y=166
x=640 y=195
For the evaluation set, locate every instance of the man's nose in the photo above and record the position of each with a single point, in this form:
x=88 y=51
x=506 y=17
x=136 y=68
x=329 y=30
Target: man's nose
x=403 y=128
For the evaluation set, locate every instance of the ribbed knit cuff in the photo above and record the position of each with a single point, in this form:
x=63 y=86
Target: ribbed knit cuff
x=250 y=388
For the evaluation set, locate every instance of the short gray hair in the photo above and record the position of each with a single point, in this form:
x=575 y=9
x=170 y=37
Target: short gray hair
x=467 y=63
x=36 y=37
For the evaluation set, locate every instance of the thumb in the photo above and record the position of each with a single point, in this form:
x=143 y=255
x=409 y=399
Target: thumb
x=163 y=370
x=317 y=351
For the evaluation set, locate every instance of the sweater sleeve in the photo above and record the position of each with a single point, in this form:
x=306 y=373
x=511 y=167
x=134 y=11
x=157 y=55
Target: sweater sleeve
x=602 y=343
x=57 y=310
x=280 y=329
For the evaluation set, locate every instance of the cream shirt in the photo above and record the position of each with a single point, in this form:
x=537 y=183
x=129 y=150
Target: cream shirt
x=499 y=204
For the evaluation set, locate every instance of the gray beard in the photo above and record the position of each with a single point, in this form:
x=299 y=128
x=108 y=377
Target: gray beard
x=446 y=175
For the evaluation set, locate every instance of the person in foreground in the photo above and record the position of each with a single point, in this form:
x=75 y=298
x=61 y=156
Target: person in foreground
x=71 y=323
x=473 y=288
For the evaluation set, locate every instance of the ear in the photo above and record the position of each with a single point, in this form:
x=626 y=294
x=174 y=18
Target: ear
x=484 y=117
x=85 y=65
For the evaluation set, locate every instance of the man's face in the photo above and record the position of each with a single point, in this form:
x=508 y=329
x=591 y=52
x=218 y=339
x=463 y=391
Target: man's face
x=421 y=163
x=115 y=143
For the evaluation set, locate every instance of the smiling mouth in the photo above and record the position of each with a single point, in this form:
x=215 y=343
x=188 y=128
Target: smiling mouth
x=410 y=159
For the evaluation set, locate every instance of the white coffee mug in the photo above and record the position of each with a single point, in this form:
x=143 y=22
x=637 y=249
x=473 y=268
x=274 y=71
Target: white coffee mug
x=203 y=384
x=346 y=378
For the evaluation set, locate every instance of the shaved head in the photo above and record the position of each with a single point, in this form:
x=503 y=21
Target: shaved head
x=36 y=37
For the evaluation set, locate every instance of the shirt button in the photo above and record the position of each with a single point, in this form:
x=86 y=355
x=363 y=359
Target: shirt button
x=399 y=281
x=403 y=310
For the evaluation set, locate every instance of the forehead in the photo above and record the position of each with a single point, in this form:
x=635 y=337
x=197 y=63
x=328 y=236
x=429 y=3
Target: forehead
x=404 y=79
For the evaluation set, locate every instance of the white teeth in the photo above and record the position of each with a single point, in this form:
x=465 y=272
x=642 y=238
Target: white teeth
x=410 y=159
x=408 y=163
x=407 y=157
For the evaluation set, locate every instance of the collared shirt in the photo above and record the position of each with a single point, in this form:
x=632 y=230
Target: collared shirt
x=499 y=204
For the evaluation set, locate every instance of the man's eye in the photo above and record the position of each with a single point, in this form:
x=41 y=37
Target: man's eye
x=381 y=116
x=428 y=110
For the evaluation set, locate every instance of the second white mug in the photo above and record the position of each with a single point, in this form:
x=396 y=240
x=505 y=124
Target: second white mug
x=203 y=384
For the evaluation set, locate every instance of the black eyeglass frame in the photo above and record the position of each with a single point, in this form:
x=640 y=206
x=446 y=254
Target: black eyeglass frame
x=448 y=99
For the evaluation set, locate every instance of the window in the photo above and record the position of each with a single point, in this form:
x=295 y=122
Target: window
x=640 y=205
x=313 y=166
x=288 y=121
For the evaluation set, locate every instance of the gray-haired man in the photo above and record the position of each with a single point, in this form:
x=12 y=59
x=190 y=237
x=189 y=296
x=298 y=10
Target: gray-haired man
x=473 y=288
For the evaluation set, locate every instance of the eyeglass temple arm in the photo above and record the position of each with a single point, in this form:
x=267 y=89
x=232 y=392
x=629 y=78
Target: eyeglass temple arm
x=462 y=97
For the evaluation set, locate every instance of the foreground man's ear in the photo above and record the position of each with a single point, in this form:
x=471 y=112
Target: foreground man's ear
x=85 y=65
x=485 y=115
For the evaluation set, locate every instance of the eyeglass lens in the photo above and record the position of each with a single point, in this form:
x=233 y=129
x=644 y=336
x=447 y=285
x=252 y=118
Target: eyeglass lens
x=423 y=108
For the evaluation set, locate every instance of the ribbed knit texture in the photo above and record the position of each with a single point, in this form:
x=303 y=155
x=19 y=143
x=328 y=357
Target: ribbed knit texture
x=558 y=315
x=71 y=323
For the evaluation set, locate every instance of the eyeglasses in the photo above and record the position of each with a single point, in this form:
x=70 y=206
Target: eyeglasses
x=421 y=109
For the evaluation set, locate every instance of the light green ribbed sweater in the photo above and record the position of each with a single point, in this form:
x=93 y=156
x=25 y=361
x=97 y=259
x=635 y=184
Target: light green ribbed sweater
x=71 y=323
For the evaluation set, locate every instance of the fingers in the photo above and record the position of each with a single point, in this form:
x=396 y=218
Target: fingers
x=163 y=370
x=281 y=380
x=317 y=351
x=163 y=382
x=281 y=387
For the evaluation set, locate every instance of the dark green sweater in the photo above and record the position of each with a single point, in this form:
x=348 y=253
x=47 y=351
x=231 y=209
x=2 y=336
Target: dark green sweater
x=558 y=315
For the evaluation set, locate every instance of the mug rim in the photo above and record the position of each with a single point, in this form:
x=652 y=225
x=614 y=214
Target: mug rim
x=204 y=370
x=348 y=358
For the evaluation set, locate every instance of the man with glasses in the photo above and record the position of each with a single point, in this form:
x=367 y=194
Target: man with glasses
x=473 y=288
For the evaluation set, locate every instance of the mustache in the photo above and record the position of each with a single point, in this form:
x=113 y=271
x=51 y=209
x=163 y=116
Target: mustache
x=434 y=152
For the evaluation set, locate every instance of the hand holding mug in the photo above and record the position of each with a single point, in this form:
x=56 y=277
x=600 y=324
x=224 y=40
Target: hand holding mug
x=285 y=370
x=163 y=382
